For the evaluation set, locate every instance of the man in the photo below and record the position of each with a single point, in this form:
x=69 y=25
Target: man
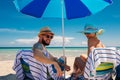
x=41 y=54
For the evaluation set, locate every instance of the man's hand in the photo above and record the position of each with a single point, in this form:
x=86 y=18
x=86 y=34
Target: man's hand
x=57 y=67
x=67 y=68
x=61 y=62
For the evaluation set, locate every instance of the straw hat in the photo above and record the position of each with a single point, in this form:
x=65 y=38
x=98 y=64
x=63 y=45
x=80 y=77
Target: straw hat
x=45 y=30
x=89 y=28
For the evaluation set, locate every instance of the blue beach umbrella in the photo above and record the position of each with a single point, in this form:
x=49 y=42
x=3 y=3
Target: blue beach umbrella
x=68 y=9
x=53 y=8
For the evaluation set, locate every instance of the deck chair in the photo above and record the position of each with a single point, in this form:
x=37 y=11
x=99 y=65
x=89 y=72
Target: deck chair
x=28 y=68
x=101 y=63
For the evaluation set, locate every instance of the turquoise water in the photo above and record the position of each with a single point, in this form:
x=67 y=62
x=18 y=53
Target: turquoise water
x=9 y=53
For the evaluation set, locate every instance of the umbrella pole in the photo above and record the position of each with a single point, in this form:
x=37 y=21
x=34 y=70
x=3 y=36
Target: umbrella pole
x=63 y=45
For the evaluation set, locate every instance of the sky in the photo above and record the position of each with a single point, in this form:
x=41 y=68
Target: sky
x=20 y=30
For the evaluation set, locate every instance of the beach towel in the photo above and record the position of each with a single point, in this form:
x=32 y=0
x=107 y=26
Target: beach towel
x=35 y=70
x=99 y=55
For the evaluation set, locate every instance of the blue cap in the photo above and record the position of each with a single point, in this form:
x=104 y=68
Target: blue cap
x=89 y=28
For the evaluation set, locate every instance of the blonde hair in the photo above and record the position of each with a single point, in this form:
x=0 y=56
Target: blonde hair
x=100 y=32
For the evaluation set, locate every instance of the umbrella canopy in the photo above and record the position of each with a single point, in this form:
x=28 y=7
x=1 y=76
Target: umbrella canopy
x=53 y=8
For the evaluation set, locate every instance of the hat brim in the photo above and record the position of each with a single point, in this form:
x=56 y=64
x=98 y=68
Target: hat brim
x=89 y=31
x=42 y=33
x=47 y=33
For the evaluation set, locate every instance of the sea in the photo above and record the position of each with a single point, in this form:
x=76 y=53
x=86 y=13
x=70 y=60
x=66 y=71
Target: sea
x=9 y=53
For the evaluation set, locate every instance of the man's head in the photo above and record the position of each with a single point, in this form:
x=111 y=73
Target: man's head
x=45 y=36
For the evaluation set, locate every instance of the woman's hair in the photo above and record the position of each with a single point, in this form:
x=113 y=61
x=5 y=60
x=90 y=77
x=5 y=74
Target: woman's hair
x=100 y=32
x=79 y=64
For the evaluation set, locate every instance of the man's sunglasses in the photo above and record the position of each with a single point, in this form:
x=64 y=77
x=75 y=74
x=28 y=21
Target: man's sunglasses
x=87 y=33
x=48 y=36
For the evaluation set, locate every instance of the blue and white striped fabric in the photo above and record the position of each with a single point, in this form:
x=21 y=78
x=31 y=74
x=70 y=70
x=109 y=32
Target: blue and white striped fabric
x=38 y=70
x=53 y=8
x=99 y=55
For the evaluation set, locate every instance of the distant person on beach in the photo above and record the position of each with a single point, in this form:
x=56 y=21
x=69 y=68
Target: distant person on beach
x=41 y=54
x=91 y=33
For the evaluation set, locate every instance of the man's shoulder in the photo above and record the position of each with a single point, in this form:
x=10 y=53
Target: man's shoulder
x=38 y=46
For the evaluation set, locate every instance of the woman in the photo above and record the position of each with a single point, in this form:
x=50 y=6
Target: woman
x=91 y=33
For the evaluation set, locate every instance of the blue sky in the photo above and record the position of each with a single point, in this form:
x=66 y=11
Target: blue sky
x=17 y=29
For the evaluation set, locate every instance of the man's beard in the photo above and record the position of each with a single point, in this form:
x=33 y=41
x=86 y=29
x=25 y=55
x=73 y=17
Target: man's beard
x=44 y=43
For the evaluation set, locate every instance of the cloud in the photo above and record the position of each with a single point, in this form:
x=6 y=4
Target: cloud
x=57 y=41
x=12 y=42
x=26 y=41
x=84 y=43
x=15 y=30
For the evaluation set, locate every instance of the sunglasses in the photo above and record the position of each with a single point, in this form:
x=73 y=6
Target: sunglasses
x=87 y=33
x=48 y=36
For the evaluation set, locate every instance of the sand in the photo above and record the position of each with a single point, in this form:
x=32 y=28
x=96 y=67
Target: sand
x=7 y=73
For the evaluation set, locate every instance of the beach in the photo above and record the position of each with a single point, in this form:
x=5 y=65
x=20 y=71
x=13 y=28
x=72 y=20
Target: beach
x=7 y=73
x=7 y=57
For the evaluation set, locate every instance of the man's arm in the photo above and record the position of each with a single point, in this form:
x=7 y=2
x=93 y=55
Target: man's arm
x=38 y=55
x=53 y=58
x=67 y=68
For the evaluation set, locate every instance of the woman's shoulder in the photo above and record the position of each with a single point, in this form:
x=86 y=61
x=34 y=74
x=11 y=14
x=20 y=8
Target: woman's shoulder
x=100 y=45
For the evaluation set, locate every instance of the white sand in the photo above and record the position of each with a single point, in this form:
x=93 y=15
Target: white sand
x=6 y=68
x=7 y=73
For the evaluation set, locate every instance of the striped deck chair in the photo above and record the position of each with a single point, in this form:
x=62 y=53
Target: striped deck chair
x=101 y=63
x=28 y=68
